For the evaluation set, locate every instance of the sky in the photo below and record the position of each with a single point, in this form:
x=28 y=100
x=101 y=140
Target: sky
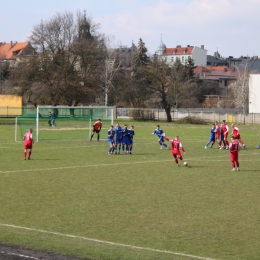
x=230 y=27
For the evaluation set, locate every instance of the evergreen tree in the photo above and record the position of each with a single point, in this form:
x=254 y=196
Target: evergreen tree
x=140 y=58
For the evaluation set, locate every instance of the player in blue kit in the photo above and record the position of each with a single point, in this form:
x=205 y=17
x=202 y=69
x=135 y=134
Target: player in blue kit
x=131 y=138
x=159 y=132
x=110 y=139
x=212 y=138
x=119 y=135
x=125 y=140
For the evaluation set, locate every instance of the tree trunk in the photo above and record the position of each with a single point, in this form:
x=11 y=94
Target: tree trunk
x=168 y=114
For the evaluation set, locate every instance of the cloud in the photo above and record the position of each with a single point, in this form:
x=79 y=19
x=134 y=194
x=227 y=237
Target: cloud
x=221 y=23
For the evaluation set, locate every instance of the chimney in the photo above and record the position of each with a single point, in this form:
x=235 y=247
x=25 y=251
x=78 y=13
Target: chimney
x=202 y=47
x=11 y=44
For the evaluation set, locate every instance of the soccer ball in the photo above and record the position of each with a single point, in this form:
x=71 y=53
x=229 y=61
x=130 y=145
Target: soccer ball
x=185 y=163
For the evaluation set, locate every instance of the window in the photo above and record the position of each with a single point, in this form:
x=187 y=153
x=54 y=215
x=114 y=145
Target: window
x=182 y=58
x=226 y=83
x=172 y=59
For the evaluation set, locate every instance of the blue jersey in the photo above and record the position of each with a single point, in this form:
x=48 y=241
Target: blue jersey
x=110 y=136
x=212 y=135
x=119 y=134
x=159 y=133
x=221 y=134
x=131 y=135
x=126 y=136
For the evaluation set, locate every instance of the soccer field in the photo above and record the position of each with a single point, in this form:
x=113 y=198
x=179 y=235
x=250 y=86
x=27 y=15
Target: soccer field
x=73 y=198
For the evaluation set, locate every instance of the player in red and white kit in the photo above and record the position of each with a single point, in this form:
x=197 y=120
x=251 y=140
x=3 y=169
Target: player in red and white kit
x=28 y=143
x=225 y=130
x=176 y=145
x=234 y=148
x=217 y=134
x=236 y=134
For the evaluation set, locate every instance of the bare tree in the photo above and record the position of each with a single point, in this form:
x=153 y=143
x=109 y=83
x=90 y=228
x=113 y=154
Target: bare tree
x=69 y=59
x=239 y=90
x=112 y=65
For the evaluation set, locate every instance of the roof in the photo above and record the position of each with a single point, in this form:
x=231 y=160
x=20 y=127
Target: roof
x=10 y=51
x=228 y=73
x=179 y=50
x=214 y=60
x=220 y=68
x=252 y=65
x=161 y=47
x=208 y=69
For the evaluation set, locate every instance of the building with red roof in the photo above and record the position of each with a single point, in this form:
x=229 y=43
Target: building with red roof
x=169 y=55
x=14 y=52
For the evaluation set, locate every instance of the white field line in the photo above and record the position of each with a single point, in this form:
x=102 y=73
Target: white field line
x=19 y=255
x=108 y=242
x=211 y=158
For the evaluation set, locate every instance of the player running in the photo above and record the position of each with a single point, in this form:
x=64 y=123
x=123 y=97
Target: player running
x=110 y=139
x=96 y=129
x=28 y=143
x=234 y=148
x=211 y=137
x=159 y=132
x=119 y=136
x=176 y=145
x=236 y=134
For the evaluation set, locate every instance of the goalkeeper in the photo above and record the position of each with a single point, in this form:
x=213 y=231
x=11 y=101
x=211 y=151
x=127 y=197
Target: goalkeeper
x=96 y=129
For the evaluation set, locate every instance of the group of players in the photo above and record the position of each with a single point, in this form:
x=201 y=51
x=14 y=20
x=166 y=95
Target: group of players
x=221 y=134
x=118 y=138
x=121 y=139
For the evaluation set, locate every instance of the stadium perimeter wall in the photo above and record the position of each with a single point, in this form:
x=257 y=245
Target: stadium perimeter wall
x=209 y=115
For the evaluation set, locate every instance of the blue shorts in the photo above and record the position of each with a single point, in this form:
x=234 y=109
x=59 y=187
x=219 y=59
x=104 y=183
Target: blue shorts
x=110 y=142
x=212 y=138
x=125 y=140
x=161 y=139
x=119 y=140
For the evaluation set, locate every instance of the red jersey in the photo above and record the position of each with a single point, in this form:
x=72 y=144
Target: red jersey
x=235 y=131
x=28 y=138
x=224 y=128
x=217 y=131
x=97 y=125
x=176 y=144
x=234 y=146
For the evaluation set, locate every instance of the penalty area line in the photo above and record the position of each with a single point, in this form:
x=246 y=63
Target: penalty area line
x=107 y=242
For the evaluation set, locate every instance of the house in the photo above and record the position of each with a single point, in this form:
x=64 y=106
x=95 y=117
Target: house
x=216 y=60
x=251 y=64
x=219 y=77
x=14 y=52
x=169 y=55
x=125 y=54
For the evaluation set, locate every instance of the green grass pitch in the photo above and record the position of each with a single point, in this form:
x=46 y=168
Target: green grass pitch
x=73 y=198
